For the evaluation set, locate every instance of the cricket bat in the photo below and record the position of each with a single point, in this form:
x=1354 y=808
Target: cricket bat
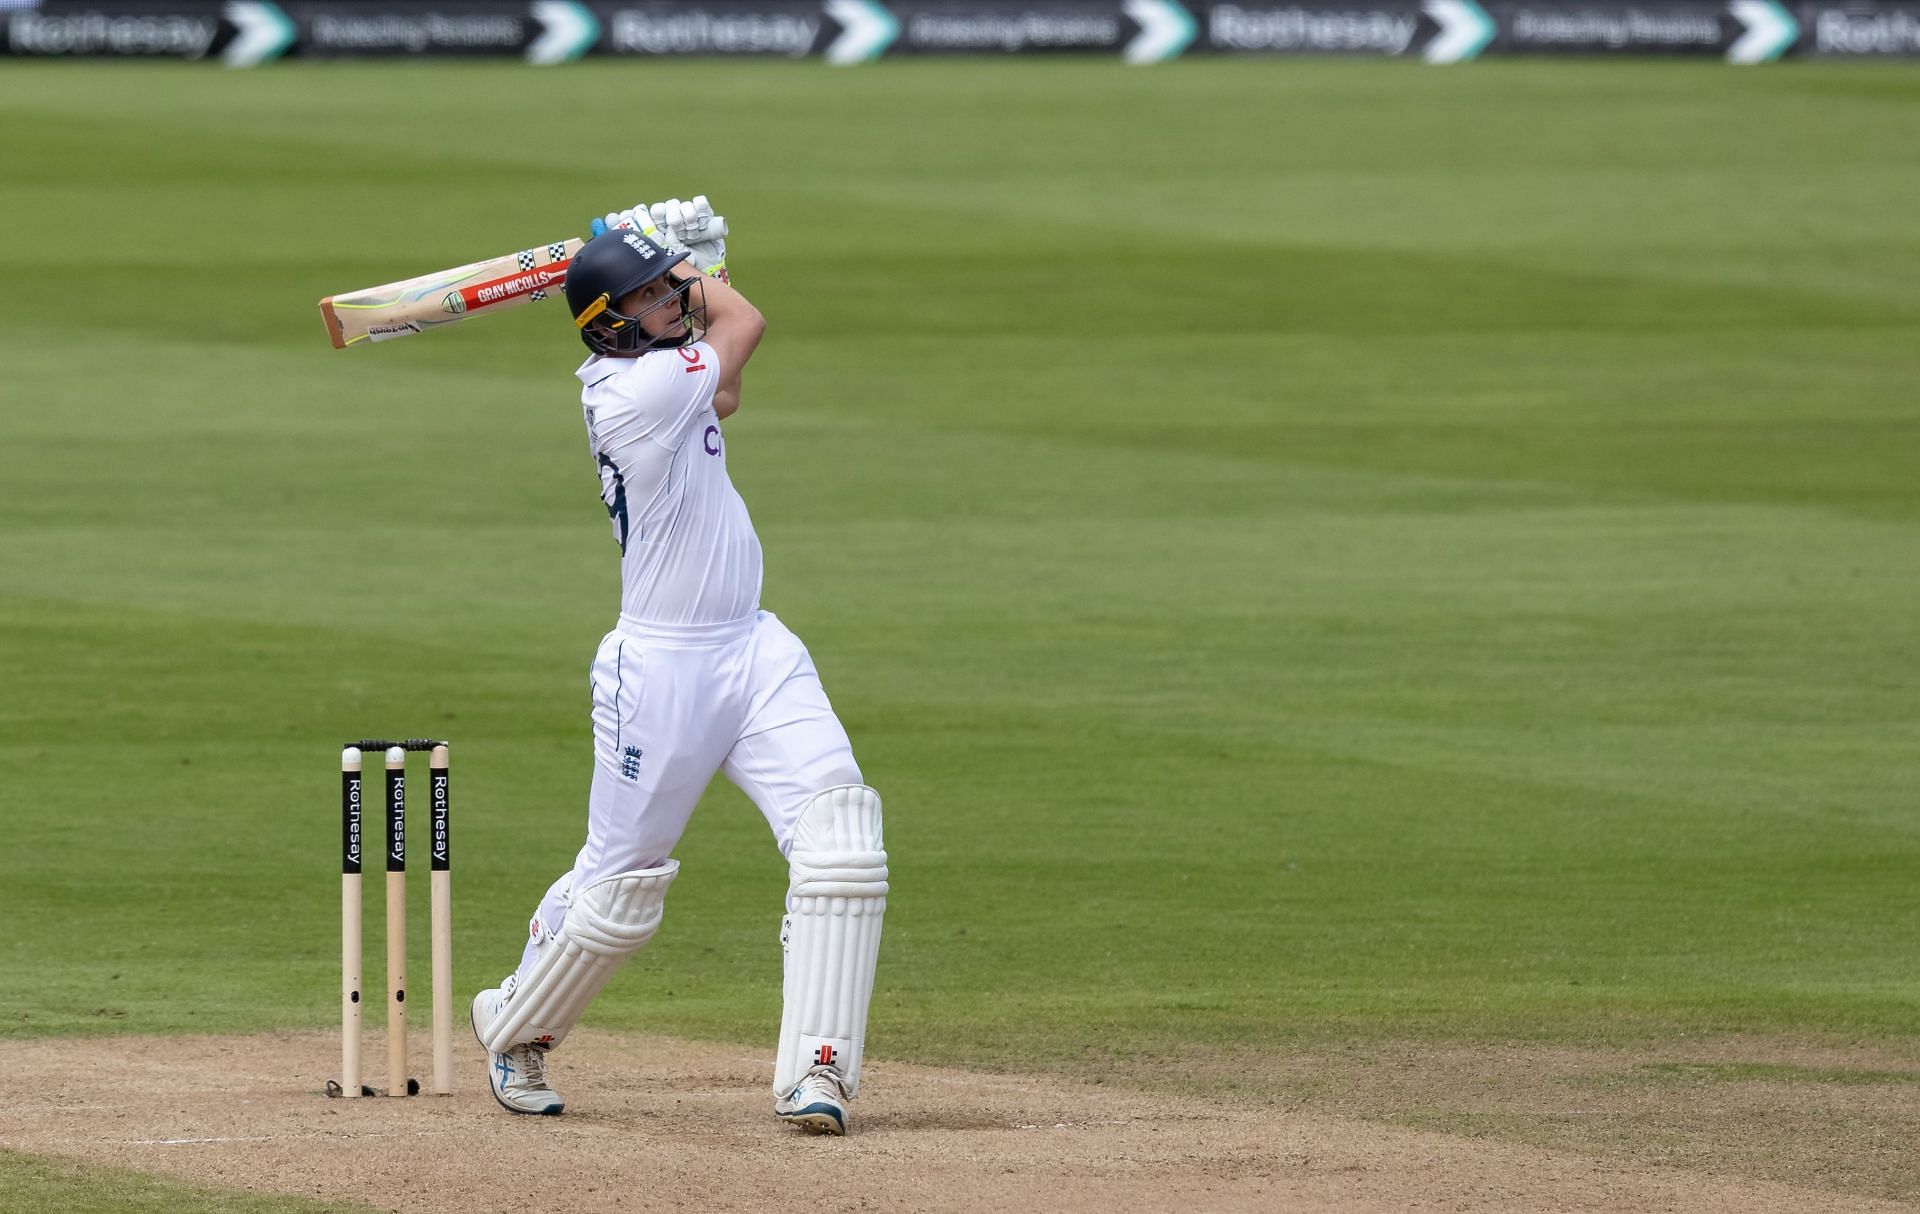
x=446 y=296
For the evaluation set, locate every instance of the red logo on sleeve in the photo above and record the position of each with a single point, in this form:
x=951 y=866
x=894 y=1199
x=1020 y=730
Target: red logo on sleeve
x=693 y=358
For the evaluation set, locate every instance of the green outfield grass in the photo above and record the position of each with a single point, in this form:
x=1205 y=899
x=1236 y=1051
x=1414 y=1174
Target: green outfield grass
x=1307 y=552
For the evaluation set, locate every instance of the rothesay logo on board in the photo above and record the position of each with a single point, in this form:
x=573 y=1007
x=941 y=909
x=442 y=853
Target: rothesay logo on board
x=353 y=824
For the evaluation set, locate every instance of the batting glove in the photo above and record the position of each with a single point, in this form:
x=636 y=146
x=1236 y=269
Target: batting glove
x=638 y=218
x=694 y=227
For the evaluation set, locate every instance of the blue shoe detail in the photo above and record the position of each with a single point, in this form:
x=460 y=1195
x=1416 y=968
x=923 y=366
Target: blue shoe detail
x=503 y=1070
x=817 y=1104
x=820 y=1117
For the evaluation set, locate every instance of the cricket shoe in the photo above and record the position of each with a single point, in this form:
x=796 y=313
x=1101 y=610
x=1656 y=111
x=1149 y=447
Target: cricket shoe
x=817 y=1104
x=517 y=1075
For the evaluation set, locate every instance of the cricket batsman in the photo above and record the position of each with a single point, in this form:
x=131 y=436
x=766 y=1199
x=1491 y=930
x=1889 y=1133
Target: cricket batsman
x=694 y=678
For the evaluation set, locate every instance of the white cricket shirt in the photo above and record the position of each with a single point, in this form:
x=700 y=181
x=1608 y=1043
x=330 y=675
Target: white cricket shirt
x=688 y=552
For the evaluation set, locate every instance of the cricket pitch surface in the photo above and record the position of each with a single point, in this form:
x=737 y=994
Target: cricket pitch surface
x=658 y=1123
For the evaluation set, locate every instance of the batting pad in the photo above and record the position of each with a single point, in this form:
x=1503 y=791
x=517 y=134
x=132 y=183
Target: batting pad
x=607 y=922
x=836 y=898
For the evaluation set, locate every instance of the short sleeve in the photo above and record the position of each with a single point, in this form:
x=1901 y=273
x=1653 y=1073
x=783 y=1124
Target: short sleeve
x=656 y=396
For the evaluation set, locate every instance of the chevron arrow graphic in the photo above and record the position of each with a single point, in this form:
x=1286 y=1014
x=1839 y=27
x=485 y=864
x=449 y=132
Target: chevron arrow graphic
x=1465 y=30
x=1770 y=31
x=567 y=31
x=264 y=33
x=866 y=31
x=1166 y=29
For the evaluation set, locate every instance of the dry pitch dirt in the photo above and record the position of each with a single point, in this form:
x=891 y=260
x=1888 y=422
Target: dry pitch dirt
x=659 y=1124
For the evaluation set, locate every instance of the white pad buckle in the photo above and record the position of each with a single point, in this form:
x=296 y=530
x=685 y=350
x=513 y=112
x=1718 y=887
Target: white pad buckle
x=836 y=900
x=607 y=922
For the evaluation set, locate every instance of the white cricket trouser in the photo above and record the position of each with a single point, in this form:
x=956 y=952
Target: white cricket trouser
x=671 y=706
